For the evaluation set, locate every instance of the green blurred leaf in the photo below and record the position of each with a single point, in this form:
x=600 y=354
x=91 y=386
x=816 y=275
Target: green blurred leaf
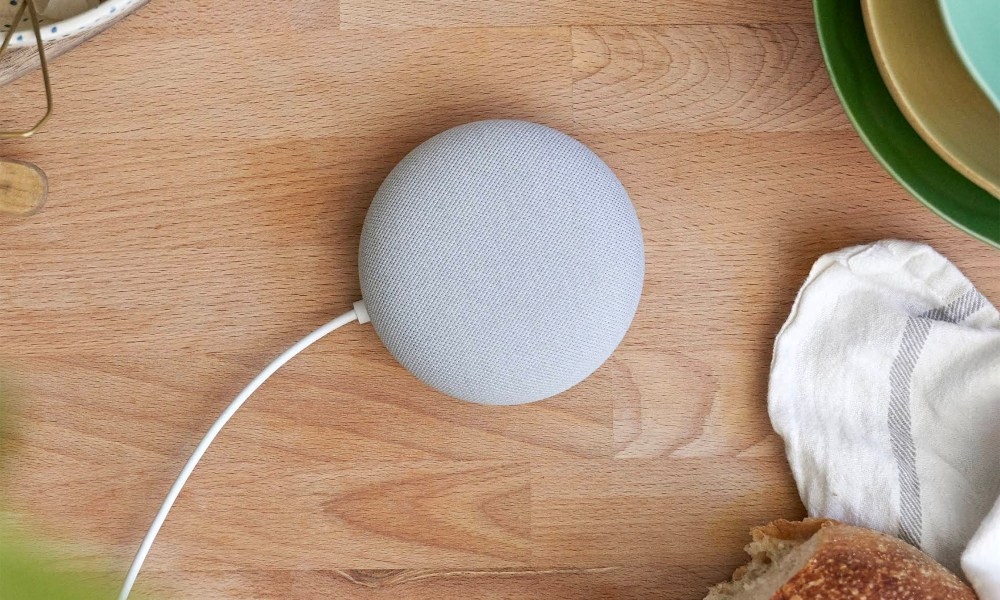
x=29 y=569
x=24 y=575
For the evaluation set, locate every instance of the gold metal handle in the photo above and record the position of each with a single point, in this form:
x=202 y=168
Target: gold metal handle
x=29 y=5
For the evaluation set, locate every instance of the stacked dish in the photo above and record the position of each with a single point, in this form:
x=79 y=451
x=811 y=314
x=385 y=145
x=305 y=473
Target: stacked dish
x=920 y=82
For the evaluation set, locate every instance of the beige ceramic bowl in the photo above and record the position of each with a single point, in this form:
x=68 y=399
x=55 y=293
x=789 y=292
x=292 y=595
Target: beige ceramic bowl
x=60 y=18
x=934 y=91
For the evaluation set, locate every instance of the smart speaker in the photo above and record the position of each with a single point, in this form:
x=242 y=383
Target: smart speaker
x=501 y=262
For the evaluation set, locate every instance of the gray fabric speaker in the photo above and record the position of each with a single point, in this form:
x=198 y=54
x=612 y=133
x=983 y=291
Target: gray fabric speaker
x=501 y=262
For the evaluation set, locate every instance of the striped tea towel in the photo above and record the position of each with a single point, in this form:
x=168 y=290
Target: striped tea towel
x=885 y=385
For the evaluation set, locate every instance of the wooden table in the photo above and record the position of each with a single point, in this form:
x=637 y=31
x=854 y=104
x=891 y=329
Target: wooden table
x=210 y=166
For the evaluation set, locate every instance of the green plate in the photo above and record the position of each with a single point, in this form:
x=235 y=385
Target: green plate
x=886 y=132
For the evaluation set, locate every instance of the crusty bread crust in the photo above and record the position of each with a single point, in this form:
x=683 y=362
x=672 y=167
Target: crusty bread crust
x=852 y=563
x=792 y=531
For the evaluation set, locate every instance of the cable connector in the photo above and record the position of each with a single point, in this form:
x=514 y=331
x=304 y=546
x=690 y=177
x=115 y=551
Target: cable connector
x=362 y=312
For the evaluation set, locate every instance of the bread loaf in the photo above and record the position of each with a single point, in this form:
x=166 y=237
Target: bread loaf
x=819 y=559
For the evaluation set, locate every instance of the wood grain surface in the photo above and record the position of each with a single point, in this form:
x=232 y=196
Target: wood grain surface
x=210 y=164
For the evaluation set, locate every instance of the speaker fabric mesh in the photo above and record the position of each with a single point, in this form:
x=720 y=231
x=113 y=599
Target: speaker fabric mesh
x=501 y=262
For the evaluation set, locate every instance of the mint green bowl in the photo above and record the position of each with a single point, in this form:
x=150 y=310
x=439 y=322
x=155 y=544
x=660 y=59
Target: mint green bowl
x=888 y=135
x=974 y=27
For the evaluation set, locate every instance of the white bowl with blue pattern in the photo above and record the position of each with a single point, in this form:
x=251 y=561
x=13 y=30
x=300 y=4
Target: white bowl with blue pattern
x=59 y=18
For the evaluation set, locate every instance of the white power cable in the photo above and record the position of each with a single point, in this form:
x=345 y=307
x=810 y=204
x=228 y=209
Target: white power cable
x=175 y=489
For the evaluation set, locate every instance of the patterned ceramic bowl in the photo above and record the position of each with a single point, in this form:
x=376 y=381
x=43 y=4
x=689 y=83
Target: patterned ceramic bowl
x=59 y=18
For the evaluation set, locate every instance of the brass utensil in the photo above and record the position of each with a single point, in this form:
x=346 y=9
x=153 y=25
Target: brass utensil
x=24 y=186
x=29 y=6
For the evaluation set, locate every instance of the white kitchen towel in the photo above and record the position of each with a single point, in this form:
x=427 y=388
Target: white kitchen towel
x=885 y=385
